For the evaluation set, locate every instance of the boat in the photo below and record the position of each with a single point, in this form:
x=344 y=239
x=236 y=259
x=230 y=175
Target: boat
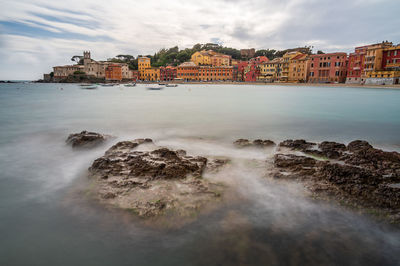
x=85 y=85
x=155 y=88
x=171 y=85
x=162 y=84
x=107 y=85
x=130 y=85
x=89 y=87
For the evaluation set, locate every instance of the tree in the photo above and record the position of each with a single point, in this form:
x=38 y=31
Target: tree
x=78 y=59
x=320 y=52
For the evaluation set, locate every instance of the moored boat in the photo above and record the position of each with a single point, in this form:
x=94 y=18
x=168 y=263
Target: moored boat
x=171 y=85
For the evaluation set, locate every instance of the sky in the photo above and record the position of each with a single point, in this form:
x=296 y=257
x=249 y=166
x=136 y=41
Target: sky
x=38 y=34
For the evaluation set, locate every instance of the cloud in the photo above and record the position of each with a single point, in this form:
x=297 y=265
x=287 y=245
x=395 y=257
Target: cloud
x=37 y=34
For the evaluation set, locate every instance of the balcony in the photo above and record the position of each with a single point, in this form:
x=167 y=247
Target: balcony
x=356 y=68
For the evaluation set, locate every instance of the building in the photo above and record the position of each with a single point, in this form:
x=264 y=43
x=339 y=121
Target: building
x=241 y=65
x=187 y=71
x=271 y=71
x=251 y=72
x=61 y=72
x=259 y=59
x=167 y=73
x=287 y=57
x=327 y=68
x=390 y=68
x=113 y=72
x=356 y=65
x=143 y=63
x=298 y=68
x=220 y=60
x=201 y=58
x=134 y=74
x=151 y=74
x=219 y=73
x=374 y=57
x=247 y=53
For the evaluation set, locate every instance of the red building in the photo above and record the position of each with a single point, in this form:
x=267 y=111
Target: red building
x=113 y=72
x=328 y=68
x=241 y=65
x=356 y=64
x=167 y=73
x=251 y=72
x=259 y=59
x=391 y=58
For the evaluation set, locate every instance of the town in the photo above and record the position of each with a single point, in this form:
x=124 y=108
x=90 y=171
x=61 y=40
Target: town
x=374 y=64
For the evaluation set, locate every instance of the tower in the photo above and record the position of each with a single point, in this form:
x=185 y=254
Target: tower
x=86 y=57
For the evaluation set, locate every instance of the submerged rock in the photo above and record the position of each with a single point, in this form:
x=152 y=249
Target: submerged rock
x=242 y=143
x=298 y=144
x=152 y=183
x=86 y=139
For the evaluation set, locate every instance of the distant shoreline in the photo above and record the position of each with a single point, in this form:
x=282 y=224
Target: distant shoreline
x=396 y=86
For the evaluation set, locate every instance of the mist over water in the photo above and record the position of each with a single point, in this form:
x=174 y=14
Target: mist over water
x=45 y=221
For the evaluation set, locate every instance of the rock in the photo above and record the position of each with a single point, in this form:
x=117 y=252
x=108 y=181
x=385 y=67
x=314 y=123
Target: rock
x=86 y=139
x=298 y=144
x=214 y=165
x=360 y=175
x=263 y=143
x=152 y=183
x=241 y=143
x=259 y=143
x=358 y=145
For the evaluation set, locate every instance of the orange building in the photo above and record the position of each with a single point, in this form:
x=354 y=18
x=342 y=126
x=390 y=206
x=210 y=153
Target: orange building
x=113 y=72
x=151 y=74
x=220 y=60
x=143 y=63
x=223 y=73
x=187 y=71
x=298 y=68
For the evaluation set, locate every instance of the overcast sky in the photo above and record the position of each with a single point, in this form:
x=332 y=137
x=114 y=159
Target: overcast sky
x=38 y=34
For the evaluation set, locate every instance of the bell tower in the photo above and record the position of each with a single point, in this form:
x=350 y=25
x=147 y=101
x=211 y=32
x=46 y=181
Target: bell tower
x=86 y=57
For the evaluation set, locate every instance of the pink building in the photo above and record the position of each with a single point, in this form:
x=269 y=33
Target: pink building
x=328 y=68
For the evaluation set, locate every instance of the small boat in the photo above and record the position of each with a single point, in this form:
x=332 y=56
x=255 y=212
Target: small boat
x=107 y=85
x=90 y=87
x=85 y=85
x=171 y=85
x=155 y=88
x=162 y=84
x=130 y=85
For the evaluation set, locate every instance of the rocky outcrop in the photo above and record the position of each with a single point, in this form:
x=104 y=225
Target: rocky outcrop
x=259 y=143
x=86 y=139
x=359 y=173
x=152 y=183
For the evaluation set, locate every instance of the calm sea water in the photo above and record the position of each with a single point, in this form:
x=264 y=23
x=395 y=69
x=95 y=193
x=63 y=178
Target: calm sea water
x=43 y=221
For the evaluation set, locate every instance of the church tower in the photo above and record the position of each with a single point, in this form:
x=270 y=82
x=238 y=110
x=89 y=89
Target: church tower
x=86 y=57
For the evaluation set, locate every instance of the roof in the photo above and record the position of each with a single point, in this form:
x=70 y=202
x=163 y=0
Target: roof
x=187 y=64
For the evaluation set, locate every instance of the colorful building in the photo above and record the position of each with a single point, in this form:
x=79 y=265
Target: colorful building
x=251 y=72
x=187 y=71
x=390 y=72
x=298 y=68
x=219 y=73
x=201 y=58
x=151 y=74
x=167 y=73
x=143 y=63
x=327 y=68
x=259 y=60
x=220 y=60
x=285 y=65
x=113 y=72
x=241 y=65
x=374 y=57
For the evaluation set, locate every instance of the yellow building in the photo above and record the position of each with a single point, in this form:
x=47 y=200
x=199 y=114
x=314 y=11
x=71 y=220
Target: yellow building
x=285 y=65
x=298 y=68
x=151 y=74
x=373 y=58
x=271 y=71
x=143 y=63
x=201 y=58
